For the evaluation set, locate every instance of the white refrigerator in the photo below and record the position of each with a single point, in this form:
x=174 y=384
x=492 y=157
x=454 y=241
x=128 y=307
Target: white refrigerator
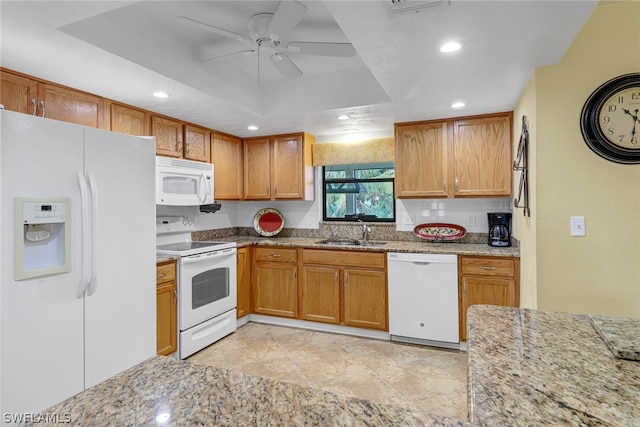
x=93 y=314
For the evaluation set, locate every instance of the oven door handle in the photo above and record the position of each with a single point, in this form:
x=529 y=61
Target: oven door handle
x=207 y=256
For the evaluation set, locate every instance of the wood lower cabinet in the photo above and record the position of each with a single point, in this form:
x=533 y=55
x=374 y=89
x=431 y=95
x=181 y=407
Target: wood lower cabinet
x=37 y=97
x=487 y=280
x=243 y=305
x=344 y=287
x=166 y=308
x=274 y=287
x=226 y=156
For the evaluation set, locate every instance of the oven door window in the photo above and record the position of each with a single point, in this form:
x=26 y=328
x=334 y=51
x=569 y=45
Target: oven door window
x=209 y=287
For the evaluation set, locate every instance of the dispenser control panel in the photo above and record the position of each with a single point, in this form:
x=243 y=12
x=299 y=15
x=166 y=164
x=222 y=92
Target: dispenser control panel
x=43 y=213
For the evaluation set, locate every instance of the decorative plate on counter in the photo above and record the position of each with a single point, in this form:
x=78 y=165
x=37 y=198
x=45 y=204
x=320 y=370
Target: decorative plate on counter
x=268 y=222
x=439 y=231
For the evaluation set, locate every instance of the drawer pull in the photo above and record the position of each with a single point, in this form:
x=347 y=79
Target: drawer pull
x=276 y=255
x=484 y=267
x=162 y=274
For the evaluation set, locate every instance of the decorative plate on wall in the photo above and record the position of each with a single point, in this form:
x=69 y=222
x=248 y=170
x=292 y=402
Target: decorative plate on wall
x=439 y=232
x=268 y=222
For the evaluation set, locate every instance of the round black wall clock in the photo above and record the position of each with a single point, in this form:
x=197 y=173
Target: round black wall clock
x=610 y=119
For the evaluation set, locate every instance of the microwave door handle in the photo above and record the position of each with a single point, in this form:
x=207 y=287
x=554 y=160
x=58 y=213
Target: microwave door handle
x=202 y=184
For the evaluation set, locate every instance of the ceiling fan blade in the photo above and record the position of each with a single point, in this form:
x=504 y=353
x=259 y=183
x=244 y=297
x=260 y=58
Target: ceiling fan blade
x=285 y=65
x=322 y=49
x=230 y=55
x=287 y=16
x=212 y=29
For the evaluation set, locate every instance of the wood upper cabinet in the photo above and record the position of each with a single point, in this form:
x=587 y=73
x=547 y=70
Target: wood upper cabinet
x=166 y=308
x=482 y=153
x=132 y=121
x=421 y=160
x=278 y=167
x=197 y=144
x=243 y=306
x=18 y=93
x=275 y=282
x=487 y=280
x=169 y=136
x=226 y=156
x=455 y=157
x=344 y=287
x=32 y=96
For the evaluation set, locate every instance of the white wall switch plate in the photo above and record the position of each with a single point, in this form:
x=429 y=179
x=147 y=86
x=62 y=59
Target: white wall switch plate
x=577 y=226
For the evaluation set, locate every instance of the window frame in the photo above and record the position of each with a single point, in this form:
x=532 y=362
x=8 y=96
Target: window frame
x=347 y=180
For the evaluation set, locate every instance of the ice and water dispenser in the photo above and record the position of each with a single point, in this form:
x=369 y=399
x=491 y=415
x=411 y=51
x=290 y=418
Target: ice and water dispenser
x=42 y=237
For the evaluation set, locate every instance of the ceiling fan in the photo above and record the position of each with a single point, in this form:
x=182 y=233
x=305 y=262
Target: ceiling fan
x=265 y=32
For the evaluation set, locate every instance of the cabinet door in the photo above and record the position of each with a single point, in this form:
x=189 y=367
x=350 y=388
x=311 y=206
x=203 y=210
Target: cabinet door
x=482 y=156
x=197 y=144
x=68 y=105
x=243 y=306
x=227 y=166
x=168 y=135
x=365 y=299
x=129 y=120
x=421 y=160
x=18 y=93
x=275 y=290
x=166 y=320
x=484 y=290
x=257 y=171
x=320 y=294
x=287 y=167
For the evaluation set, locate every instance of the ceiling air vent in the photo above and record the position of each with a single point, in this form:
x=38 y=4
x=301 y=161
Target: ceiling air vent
x=398 y=7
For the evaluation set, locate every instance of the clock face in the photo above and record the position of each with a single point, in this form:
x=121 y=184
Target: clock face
x=619 y=118
x=610 y=119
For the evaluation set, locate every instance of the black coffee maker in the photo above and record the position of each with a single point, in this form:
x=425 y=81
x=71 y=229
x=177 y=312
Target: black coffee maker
x=499 y=228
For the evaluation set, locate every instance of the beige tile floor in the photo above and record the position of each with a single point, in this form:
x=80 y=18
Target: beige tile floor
x=422 y=378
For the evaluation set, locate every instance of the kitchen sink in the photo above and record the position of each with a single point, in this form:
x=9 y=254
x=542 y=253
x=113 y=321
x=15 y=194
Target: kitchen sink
x=349 y=242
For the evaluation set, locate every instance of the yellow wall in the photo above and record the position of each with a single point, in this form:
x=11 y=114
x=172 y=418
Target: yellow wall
x=524 y=228
x=598 y=273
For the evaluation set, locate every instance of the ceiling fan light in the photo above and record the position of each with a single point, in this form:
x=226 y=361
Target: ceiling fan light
x=451 y=47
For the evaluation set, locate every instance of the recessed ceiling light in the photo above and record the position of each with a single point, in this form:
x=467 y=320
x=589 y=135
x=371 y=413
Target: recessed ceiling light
x=343 y=117
x=450 y=47
x=252 y=127
x=161 y=94
x=458 y=104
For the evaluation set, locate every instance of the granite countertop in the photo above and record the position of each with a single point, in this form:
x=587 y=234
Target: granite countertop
x=529 y=367
x=526 y=368
x=389 y=246
x=166 y=392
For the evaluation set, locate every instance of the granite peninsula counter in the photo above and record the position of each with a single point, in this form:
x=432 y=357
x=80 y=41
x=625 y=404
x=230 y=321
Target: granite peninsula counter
x=526 y=368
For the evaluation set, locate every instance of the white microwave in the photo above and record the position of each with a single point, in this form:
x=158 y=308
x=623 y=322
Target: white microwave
x=183 y=182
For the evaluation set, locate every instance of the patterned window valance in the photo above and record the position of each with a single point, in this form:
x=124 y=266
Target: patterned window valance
x=349 y=153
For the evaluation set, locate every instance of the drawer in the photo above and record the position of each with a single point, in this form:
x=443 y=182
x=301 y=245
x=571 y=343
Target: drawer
x=273 y=254
x=343 y=258
x=166 y=272
x=488 y=266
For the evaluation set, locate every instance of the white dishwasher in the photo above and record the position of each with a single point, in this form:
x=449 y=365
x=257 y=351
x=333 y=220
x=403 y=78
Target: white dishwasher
x=423 y=298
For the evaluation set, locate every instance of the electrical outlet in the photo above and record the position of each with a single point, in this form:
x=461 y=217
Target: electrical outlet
x=577 y=226
x=471 y=221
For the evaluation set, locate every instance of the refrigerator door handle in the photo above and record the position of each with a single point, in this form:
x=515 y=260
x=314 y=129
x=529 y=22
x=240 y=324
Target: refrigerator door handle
x=93 y=279
x=84 y=206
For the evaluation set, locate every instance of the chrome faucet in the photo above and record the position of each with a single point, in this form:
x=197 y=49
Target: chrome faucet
x=365 y=230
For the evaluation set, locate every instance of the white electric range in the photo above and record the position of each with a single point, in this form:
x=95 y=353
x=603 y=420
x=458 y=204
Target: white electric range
x=206 y=289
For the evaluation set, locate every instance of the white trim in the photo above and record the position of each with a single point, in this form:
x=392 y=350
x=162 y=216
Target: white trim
x=317 y=326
